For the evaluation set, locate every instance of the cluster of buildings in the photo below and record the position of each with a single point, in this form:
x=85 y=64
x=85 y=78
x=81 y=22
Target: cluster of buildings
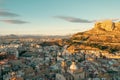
x=28 y=60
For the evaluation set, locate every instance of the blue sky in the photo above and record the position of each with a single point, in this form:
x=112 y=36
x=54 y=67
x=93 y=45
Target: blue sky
x=54 y=17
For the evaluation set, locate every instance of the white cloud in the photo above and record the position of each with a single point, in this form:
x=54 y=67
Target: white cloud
x=73 y=19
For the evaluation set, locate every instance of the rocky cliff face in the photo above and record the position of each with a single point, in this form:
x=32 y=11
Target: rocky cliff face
x=105 y=33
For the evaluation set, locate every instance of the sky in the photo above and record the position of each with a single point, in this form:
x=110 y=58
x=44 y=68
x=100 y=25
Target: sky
x=54 y=17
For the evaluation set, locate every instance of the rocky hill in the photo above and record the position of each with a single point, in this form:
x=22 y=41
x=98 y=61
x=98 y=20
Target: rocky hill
x=104 y=36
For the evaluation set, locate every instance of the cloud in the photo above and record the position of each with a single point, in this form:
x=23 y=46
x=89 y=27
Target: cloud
x=78 y=20
x=7 y=14
x=14 y=21
x=73 y=19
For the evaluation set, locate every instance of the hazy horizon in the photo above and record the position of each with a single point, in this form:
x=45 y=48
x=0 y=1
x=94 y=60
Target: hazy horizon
x=51 y=17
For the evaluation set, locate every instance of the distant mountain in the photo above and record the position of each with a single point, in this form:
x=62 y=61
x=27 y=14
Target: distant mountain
x=13 y=36
x=104 y=36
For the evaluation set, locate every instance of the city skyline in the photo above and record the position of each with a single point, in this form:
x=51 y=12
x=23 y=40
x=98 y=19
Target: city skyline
x=51 y=17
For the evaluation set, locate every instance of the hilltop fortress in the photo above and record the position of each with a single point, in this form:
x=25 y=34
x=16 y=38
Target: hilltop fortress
x=107 y=25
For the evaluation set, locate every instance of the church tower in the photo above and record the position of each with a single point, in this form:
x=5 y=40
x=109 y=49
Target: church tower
x=73 y=67
x=64 y=66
